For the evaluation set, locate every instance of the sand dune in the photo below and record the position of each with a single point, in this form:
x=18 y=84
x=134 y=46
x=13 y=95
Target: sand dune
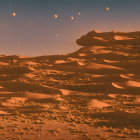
x=112 y=95
x=65 y=92
x=14 y=102
x=109 y=61
x=30 y=75
x=95 y=75
x=3 y=112
x=100 y=38
x=122 y=37
x=31 y=95
x=60 y=61
x=1 y=87
x=3 y=64
x=133 y=83
x=82 y=54
x=125 y=76
x=117 y=86
x=101 y=66
x=81 y=63
x=137 y=100
x=30 y=63
x=94 y=103
x=99 y=51
x=97 y=47
x=73 y=59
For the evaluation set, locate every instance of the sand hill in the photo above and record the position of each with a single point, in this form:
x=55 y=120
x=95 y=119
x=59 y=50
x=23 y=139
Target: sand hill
x=92 y=93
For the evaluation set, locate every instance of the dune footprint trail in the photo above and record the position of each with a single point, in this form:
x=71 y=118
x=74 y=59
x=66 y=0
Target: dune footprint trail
x=95 y=89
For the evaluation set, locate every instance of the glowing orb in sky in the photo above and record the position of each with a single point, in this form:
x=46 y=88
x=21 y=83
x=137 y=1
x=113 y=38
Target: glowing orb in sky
x=13 y=14
x=55 y=16
x=71 y=18
x=79 y=13
x=107 y=8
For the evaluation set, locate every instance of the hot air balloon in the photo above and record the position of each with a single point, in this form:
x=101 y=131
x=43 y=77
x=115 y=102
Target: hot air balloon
x=13 y=14
x=107 y=8
x=55 y=16
x=71 y=18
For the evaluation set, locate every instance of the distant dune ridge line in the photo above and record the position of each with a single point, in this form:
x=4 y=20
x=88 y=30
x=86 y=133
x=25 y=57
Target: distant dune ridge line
x=109 y=38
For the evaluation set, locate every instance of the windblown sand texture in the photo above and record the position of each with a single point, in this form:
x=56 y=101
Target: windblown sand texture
x=93 y=93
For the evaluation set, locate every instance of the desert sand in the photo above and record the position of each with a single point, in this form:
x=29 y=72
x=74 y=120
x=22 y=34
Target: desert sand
x=90 y=94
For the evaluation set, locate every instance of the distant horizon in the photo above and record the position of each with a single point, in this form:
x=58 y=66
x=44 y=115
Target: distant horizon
x=29 y=28
x=77 y=48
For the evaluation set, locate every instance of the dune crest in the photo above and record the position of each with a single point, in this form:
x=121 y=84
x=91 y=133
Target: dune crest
x=101 y=66
x=133 y=83
x=94 y=103
x=117 y=86
x=122 y=38
x=65 y=92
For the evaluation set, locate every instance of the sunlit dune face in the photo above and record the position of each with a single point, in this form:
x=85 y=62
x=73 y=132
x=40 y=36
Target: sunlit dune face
x=94 y=103
x=14 y=102
x=133 y=83
x=82 y=54
x=112 y=95
x=81 y=63
x=60 y=61
x=130 y=74
x=100 y=38
x=65 y=92
x=3 y=112
x=99 y=49
x=31 y=95
x=30 y=63
x=23 y=56
x=96 y=31
x=3 y=64
x=1 y=87
x=117 y=86
x=125 y=76
x=73 y=59
x=137 y=100
x=122 y=37
x=96 y=76
x=109 y=61
x=101 y=66
x=30 y=75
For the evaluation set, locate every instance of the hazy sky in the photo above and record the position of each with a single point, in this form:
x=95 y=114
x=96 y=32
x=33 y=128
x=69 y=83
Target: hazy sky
x=34 y=31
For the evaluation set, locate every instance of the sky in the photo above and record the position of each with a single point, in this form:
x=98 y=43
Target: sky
x=34 y=31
